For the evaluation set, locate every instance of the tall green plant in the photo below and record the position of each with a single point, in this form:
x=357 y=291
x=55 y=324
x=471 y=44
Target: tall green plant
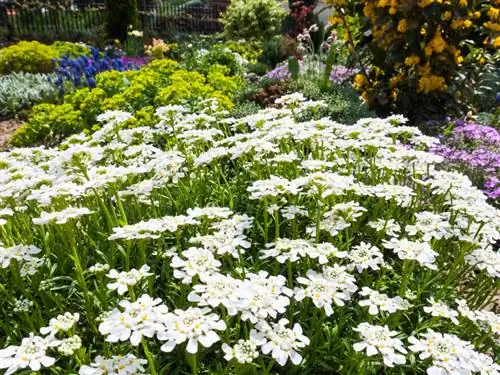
x=120 y=15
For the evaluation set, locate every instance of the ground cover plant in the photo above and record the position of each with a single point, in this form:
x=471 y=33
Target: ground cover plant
x=19 y=91
x=211 y=245
x=475 y=150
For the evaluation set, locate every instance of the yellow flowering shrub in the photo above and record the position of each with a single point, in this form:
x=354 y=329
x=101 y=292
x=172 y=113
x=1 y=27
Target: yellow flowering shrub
x=416 y=46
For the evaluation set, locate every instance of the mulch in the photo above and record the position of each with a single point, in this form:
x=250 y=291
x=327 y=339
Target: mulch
x=7 y=128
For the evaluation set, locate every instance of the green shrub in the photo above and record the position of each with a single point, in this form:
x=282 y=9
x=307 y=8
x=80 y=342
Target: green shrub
x=20 y=91
x=49 y=123
x=159 y=83
x=253 y=19
x=30 y=57
x=343 y=103
x=72 y=50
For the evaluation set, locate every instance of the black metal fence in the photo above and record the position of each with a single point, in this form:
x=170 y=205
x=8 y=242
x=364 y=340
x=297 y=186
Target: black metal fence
x=193 y=17
x=89 y=17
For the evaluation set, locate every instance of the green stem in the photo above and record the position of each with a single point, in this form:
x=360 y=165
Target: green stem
x=149 y=357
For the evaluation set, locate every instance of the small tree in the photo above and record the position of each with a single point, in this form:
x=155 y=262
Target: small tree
x=120 y=15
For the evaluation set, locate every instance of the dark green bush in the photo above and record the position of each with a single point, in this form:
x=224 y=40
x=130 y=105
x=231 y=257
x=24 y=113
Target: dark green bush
x=120 y=14
x=344 y=104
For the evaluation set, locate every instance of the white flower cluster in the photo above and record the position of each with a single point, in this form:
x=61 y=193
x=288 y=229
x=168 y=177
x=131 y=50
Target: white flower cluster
x=450 y=355
x=127 y=279
x=321 y=214
x=116 y=365
x=377 y=301
x=380 y=339
x=20 y=253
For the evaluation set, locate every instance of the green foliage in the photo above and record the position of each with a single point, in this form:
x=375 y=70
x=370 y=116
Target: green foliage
x=20 y=91
x=30 y=57
x=277 y=49
x=159 y=83
x=293 y=67
x=478 y=81
x=244 y=108
x=343 y=103
x=253 y=19
x=120 y=15
x=72 y=50
x=49 y=123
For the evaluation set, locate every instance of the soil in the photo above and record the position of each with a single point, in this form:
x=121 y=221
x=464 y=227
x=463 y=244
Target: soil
x=7 y=128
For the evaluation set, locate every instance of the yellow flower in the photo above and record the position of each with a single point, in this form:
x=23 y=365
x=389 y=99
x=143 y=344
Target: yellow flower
x=393 y=10
x=427 y=84
x=334 y=20
x=437 y=44
x=467 y=23
x=492 y=26
x=402 y=26
x=395 y=80
x=463 y=3
x=394 y=95
x=423 y=31
x=494 y=13
x=446 y=16
x=496 y=42
x=455 y=24
x=360 y=80
x=412 y=60
x=477 y=14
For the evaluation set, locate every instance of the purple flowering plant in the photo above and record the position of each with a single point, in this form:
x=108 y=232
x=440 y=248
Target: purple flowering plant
x=81 y=72
x=475 y=150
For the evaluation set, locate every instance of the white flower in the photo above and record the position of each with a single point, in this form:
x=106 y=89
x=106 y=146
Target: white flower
x=451 y=355
x=21 y=253
x=323 y=291
x=379 y=339
x=126 y=279
x=365 y=256
x=62 y=323
x=143 y=317
x=244 y=351
x=99 y=268
x=390 y=227
x=291 y=212
x=430 y=225
x=31 y=353
x=377 y=301
x=262 y=296
x=116 y=365
x=283 y=342
x=68 y=346
x=413 y=250
x=273 y=187
x=61 y=217
x=485 y=259
x=30 y=267
x=438 y=308
x=341 y=216
x=287 y=250
x=193 y=325
x=217 y=289
x=343 y=279
x=197 y=262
